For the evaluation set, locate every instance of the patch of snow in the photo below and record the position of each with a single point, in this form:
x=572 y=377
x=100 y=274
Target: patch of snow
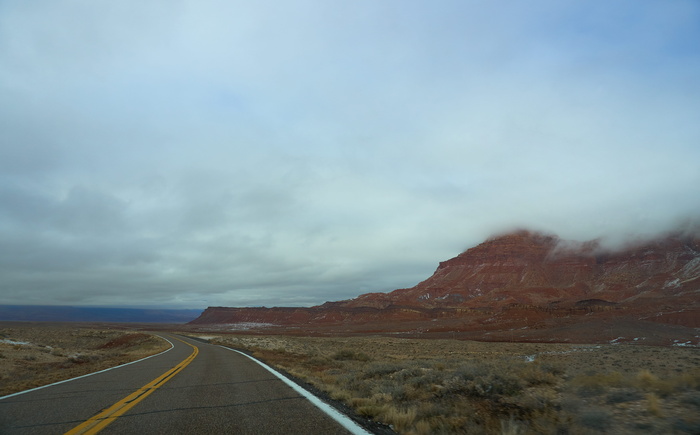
x=244 y=326
x=616 y=340
x=675 y=283
x=642 y=284
x=13 y=342
x=454 y=296
x=531 y=358
x=684 y=344
x=691 y=268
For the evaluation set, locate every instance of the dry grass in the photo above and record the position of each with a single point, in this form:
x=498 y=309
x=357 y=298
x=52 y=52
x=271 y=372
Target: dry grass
x=32 y=356
x=450 y=386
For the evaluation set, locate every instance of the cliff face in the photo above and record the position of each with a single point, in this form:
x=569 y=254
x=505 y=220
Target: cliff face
x=522 y=269
x=328 y=313
x=533 y=269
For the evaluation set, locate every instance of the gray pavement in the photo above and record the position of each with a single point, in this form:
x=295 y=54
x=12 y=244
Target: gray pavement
x=218 y=392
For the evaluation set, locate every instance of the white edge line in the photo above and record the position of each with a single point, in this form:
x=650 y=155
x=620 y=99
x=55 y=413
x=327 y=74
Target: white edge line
x=90 y=374
x=344 y=421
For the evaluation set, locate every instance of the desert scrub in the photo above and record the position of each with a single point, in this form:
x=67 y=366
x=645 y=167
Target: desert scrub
x=347 y=354
x=642 y=382
x=47 y=354
x=451 y=386
x=427 y=396
x=655 y=404
x=381 y=369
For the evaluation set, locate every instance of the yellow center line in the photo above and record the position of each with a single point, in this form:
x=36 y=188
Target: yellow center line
x=101 y=420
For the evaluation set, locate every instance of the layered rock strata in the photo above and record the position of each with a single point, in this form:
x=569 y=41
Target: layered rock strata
x=659 y=279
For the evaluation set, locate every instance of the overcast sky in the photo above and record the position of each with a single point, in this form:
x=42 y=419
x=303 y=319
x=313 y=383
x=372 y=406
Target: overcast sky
x=187 y=154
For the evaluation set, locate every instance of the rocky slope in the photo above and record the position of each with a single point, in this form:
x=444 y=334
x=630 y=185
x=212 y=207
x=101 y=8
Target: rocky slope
x=529 y=268
x=537 y=274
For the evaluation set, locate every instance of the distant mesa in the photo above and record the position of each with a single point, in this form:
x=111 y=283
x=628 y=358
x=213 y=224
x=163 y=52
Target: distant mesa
x=522 y=279
x=47 y=313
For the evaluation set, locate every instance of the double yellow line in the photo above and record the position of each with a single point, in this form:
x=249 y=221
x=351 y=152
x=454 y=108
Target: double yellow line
x=101 y=420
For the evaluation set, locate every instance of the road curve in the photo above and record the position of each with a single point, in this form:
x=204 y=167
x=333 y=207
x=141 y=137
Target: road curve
x=219 y=391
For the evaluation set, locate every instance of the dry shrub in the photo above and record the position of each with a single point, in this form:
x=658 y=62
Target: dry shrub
x=646 y=380
x=491 y=385
x=604 y=380
x=400 y=419
x=654 y=404
x=381 y=369
x=540 y=375
x=688 y=381
x=422 y=428
x=338 y=393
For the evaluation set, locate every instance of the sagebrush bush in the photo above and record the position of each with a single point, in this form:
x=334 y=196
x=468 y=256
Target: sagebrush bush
x=646 y=379
x=400 y=418
x=654 y=404
x=380 y=369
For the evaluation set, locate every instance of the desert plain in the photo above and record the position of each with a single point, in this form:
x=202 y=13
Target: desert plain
x=415 y=385
x=37 y=354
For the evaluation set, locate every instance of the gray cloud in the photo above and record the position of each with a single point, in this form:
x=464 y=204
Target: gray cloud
x=212 y=153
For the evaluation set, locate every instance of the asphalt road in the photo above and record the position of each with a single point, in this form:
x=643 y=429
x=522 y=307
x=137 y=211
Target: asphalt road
x=219 y=391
